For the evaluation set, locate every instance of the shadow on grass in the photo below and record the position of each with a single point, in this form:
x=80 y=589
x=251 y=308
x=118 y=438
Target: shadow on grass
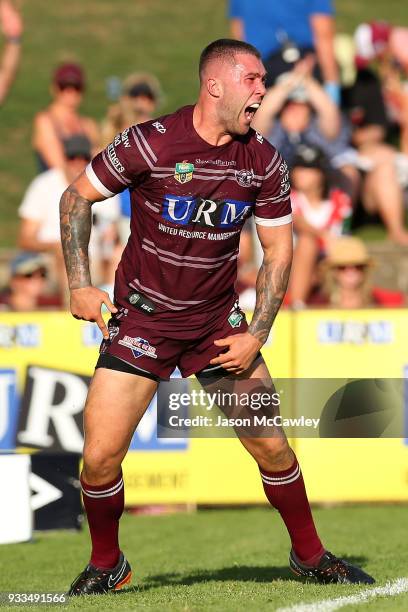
x=237 y=573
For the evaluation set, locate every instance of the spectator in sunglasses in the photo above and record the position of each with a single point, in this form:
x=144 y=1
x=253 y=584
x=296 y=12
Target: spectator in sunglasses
x=61 y=119
x=27 y=284
x=348 y=281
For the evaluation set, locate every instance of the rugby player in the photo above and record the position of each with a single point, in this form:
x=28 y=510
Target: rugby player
x=195 y=176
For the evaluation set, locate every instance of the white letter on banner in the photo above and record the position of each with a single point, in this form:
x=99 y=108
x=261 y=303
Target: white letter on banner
x=6 y=381
x=41 y=410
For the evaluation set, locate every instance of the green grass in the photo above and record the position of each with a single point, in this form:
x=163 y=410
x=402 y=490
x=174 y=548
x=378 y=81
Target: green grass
x=217 y=560
x=116 y=38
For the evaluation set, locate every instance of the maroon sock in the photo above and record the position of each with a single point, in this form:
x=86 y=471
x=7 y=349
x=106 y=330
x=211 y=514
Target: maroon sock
x=286 y=492
x=104 y=506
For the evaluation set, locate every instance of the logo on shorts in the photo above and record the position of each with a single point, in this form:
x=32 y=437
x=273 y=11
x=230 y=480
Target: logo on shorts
x=113 y=331
x=139 y=346
x=244 y=177
x=183 y=172
x=235 y=318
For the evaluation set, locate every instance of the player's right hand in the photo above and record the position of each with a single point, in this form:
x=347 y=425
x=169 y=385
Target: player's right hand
x=86 y=304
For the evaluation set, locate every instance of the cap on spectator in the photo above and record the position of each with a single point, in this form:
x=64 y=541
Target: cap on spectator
x=371 y=40
x=27 y=263
x=142 y=84
x=309 y=157
x=77 y=146
x=347 y=250
x=69 y=74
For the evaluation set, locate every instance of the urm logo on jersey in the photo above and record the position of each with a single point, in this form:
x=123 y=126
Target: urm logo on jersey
x=186 y=210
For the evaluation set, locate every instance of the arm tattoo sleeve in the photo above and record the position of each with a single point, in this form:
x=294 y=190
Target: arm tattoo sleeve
x=76 y=222
x=271 y=286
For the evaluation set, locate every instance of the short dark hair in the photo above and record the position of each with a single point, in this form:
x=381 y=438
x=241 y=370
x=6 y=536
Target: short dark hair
x=225 y=48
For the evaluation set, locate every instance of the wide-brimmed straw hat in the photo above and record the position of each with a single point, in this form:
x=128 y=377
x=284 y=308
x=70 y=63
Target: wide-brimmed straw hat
x=346 y=251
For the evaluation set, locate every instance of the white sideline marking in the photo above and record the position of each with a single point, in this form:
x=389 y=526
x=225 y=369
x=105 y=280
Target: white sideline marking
x=398 y=586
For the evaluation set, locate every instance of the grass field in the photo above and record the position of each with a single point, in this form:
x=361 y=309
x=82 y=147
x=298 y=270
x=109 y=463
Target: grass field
x=116 y=38
x=218 y=560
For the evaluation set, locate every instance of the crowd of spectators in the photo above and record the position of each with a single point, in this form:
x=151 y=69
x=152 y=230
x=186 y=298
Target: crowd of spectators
x=336 y=108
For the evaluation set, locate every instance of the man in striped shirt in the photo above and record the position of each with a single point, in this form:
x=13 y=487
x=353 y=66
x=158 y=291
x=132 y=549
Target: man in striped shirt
x=194 y=177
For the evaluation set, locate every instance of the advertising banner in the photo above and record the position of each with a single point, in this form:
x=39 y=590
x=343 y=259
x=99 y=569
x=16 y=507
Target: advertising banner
x=47 y=360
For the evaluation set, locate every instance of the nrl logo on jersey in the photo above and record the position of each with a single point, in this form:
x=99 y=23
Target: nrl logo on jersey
x=183 y=172
x=244 y=177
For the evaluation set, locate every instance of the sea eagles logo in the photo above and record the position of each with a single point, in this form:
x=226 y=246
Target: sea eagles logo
x=183 y=172
x=244 y=177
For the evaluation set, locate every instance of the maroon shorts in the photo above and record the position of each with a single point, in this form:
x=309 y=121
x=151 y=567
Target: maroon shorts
x=155 y=354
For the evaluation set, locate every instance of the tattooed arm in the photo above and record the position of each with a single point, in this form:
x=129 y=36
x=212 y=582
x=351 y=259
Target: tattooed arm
x=76 y=222
x=272 y=279
x=271 y=285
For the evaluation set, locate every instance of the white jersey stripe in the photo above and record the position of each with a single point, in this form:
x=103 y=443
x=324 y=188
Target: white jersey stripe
x=95 y=182
x=272 y=201
x=274 y=222
x=160 y=301
x=146 y=144
x=269 y=174
x=269 y=166
x=226 y=171
x=189 y=257
x=166 y=297
x=200 y=177
x=155 y=209
x=186 y=263
x=139 y=146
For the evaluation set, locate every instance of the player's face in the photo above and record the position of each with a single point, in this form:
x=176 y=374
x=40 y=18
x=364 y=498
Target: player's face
x=243 y=87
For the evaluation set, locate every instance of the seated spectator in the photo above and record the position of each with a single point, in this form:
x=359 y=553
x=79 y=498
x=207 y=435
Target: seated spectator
x=381 y=43
x=27 y=288
x=347 y=278
x=320 y=213
x=39 y=212
x=12 y=27
x=61 y=120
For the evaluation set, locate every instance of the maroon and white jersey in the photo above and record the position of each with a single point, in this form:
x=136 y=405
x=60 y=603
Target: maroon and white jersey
x=189 y=202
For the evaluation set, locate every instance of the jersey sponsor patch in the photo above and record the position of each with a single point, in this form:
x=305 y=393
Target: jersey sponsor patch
x=183 y=210
x=139 y=346
x=183 y=172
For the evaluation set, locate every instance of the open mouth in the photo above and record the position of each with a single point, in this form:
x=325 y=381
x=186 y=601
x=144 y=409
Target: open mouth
x=251 y=110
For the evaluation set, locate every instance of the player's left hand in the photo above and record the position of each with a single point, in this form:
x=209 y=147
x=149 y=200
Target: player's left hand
x=242 y=350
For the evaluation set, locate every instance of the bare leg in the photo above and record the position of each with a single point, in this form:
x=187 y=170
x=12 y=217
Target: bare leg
x=383 y=194
x=304 y=260
x=280 y=473
x=116 y=403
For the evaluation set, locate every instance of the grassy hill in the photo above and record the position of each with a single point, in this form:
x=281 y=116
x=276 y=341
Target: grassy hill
x=116 y=38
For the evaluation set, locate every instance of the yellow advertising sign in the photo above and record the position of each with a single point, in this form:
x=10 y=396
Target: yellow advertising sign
x=46 y=360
